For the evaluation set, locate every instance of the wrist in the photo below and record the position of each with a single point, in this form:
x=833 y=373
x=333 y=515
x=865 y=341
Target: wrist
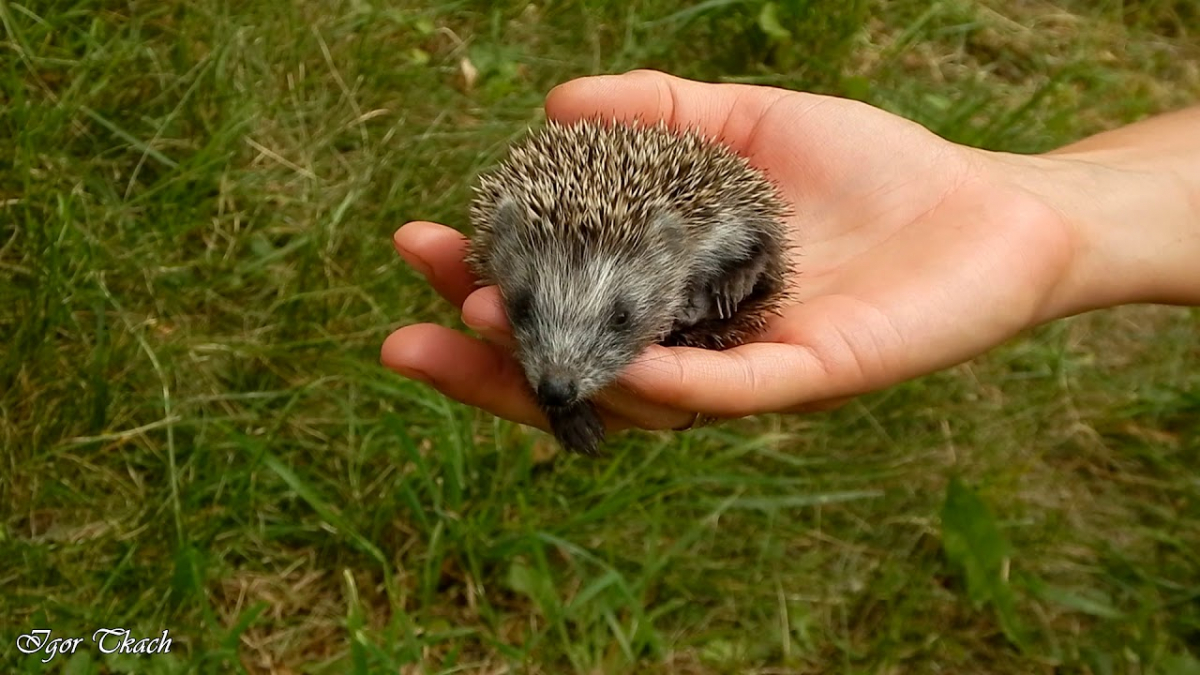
x=1134 y=227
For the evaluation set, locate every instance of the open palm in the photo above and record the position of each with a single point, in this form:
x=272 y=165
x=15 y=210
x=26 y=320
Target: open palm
x=913 y=254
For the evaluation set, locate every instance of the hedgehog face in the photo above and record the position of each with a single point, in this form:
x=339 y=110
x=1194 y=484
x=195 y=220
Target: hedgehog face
x=579 y=320
x=585 y=293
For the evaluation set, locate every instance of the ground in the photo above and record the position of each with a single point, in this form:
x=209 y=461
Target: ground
x=196 y=203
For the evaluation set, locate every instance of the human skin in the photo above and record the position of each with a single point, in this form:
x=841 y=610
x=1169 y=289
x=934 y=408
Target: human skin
x=915 y=253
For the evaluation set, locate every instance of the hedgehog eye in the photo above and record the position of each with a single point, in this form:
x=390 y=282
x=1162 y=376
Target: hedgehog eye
x=620 y=318
x=520 y=307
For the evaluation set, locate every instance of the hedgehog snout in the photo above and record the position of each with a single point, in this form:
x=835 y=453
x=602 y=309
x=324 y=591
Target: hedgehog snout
x=557 y=390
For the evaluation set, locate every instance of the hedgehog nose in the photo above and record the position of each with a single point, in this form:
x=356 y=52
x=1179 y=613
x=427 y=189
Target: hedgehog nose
x=556 y=391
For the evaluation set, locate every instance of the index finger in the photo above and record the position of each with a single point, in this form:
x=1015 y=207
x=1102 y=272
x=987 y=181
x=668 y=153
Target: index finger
x=437 y=251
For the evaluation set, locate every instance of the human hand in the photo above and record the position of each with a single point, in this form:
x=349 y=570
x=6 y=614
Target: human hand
x=915 y=254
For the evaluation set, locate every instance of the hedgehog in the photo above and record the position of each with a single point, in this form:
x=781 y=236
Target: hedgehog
x=606 y=237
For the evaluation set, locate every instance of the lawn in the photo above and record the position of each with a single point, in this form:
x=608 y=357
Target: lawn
x=196 y=273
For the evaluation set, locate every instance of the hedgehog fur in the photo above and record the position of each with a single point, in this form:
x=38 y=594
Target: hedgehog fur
x=606 y=237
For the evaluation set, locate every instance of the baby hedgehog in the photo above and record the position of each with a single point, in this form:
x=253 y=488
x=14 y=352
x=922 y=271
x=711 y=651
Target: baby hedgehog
x=605 y=238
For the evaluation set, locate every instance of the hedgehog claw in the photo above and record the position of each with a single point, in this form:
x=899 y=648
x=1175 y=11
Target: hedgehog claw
x=732 y=290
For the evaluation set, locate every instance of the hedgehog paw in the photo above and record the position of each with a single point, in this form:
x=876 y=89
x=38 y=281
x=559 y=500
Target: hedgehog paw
x=737 y=284
x=698 y=307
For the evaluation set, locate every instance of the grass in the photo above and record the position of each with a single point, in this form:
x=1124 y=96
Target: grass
x=195 y=205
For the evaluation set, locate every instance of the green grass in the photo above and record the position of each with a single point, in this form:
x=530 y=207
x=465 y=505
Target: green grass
x=196 y=200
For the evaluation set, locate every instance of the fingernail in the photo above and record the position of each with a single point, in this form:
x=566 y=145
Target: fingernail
x=416 y=262
x=490 y=334
x=414 y=374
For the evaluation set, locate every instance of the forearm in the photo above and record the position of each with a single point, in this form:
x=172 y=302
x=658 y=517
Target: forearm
x=1131 y=201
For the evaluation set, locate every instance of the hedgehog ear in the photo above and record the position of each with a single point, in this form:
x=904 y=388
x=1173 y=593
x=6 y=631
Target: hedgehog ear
x=509 y=217
x=506 y=230
x=671 y=225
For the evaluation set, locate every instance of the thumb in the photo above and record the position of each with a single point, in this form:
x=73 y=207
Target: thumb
x=754 y=378
x=807 y=358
